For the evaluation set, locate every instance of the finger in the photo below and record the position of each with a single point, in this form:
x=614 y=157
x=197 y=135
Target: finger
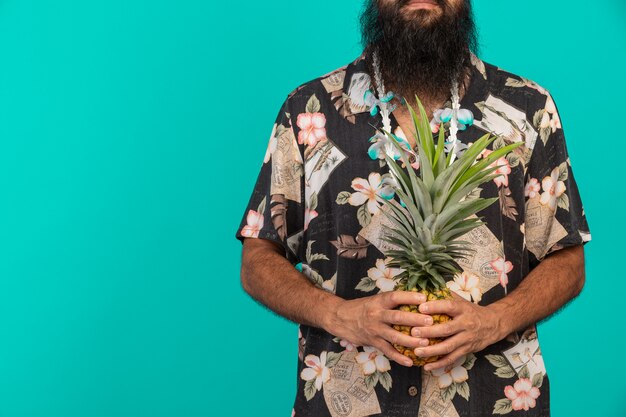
x=446 y=329
x=449 y=307
x=393 y=299
x=398 y=338
x=391 y=353
x=441 y=348
x=445 y=361
x=406 y=318
x=457 y=297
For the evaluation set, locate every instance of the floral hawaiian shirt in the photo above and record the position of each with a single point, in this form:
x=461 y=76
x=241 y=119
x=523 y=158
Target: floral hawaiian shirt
x=319 y=195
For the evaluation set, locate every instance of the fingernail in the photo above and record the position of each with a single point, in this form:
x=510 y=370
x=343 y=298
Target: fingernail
x=419 y=352
x=428 y=321
x=424 y=342
x=415 y=331
x=408 y=363
x=423 y=308
x=428 y=368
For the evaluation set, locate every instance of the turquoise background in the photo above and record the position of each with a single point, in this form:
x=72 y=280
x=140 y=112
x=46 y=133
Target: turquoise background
x=131 y=133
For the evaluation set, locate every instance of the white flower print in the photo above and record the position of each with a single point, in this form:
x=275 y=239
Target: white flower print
x=467 y=285
x=532 y=188
x=555 y=121
x=346 y=344
x=271 y=146
x=547 y=119
x=457 y=374
x=384 y=275
x=349 y=346
x=370 y=191
x=372 y=360
x=316 y=370
x=552 y=189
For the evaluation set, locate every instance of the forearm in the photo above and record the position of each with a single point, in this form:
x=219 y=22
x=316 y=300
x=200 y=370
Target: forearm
x=273 y=281
x=557 y=279
x=270 y=279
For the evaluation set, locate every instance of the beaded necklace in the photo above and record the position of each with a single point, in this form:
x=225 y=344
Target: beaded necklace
x=382 y=102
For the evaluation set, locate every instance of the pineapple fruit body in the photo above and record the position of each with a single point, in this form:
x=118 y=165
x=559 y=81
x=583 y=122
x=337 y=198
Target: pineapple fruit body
x=443 y=294
x=435 y=208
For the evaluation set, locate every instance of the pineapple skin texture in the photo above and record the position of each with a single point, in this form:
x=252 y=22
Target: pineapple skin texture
x=443 y=294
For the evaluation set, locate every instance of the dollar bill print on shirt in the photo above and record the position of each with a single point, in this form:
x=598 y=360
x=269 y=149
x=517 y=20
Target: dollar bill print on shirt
x=319 y=195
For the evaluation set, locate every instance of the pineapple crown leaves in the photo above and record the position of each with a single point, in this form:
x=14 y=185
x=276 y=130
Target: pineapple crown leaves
x=434 y=211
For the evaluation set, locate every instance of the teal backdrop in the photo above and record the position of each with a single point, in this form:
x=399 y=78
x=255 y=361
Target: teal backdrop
x=131 y=133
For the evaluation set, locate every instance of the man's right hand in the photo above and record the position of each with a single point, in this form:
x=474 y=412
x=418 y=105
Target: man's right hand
x=368 y=321
x=269 y=278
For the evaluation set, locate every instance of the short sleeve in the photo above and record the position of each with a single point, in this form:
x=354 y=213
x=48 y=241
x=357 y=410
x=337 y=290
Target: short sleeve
x=275 y=210
x=554 y=215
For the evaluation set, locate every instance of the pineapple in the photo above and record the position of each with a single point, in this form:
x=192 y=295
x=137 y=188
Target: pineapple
x=434 y=212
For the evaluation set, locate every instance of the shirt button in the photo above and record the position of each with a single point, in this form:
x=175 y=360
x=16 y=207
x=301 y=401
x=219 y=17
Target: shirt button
x=412 y=391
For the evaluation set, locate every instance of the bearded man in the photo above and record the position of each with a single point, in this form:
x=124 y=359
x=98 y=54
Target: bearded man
x=312 y=247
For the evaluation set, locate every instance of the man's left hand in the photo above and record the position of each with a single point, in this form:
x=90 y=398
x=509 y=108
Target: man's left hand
x=472 y=328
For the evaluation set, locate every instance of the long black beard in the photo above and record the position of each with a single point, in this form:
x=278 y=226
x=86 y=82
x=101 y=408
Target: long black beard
x=416 y=58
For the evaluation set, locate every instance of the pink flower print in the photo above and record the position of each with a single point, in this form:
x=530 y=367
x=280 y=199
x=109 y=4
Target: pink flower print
x=502 y=267
x=532 y=188
x=504 y=170
x=553 y=188
x=254 y=226
x=308 y=216
x=312 y=128
x=522 y=394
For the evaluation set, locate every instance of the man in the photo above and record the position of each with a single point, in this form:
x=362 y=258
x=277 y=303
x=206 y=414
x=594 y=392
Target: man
x=312 y=250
